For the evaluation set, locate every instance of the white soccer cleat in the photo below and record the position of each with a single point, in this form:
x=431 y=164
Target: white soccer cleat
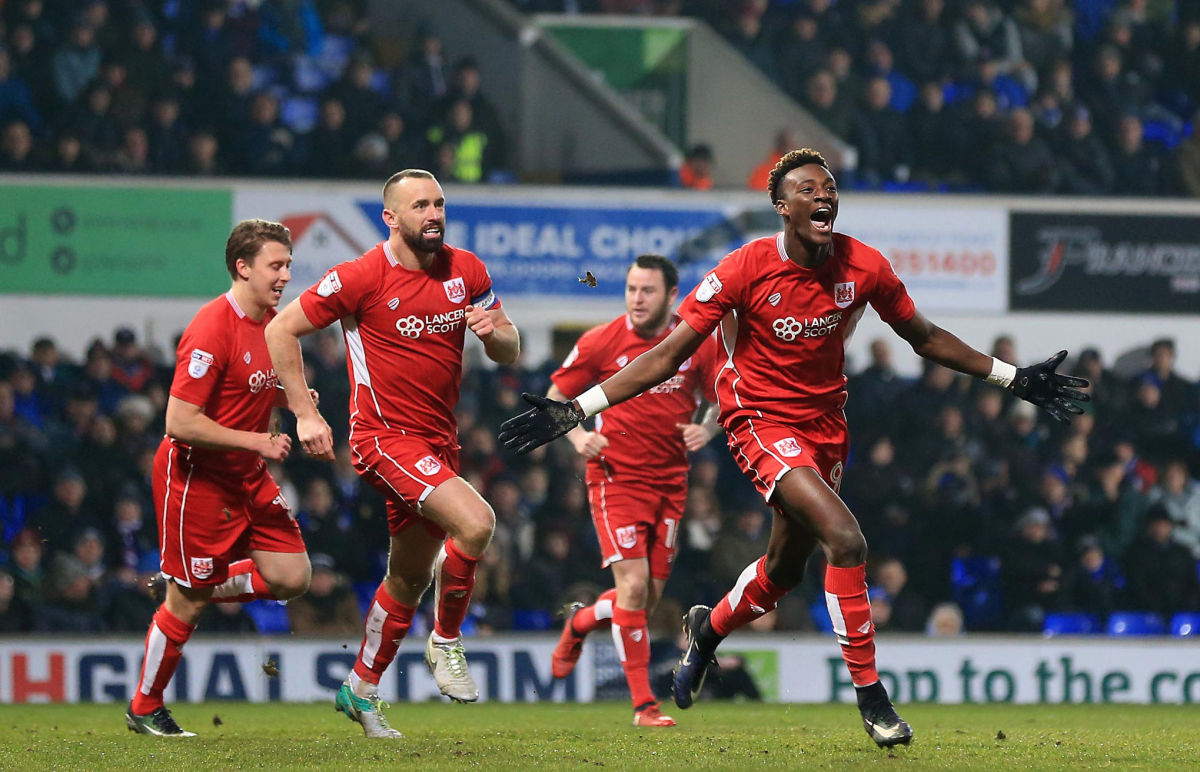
x=367 y=712
x=448 y=664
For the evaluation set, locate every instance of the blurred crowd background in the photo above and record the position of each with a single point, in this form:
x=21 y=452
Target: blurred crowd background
x=981 y=512
x=1084 y=97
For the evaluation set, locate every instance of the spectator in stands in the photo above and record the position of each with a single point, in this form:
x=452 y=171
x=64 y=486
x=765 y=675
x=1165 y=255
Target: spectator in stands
x=89 y=551
x=146 y=68
x=1023 y=162
x=1138 y=169
x=203 y=155
x=982 y=129
x=329 y=607
x=1110 y=508
x=986 y=34
x=426 y=77
x=880 y=134
x=1094 y=583
x=467 y=83
x=1032 y=572
x=1045 y=31
x=876 y=389
x=696 y=171
x=128 y=102
x=1185 y=163
x=923 y=45
x=473 y=149
x=1084 y=160
x=785 y=140
x=133 y=155
x=289 y=28
x=1111 y=91
x=77 y=63
x=821 y=100
x=166 y=135
x=800 y=52
x=206 y=42
x=265 y=146
x=542 y=582
x=740 y=542
x=742 y=26
x=131 y=535
x=68 y=156
x=16 y=148
x=946 y=620
x=362 y=103
x=1178 y=394
x=231 y=104
x=936 y=136
x=93 y=119
x=16 y=614
x=1154 y=426
x=58 y=522
x=1161 y=571
x=71 y=604
x=405 y=147
x=227 y=618
x=101 y=461
x=23 y=448
x=16 y=100
x=330 y=143
x=909 y=610
x=1181 y=73
x=1179 y=495
x=332 y=527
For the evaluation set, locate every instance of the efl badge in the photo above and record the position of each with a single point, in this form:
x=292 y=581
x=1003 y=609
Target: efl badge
x=202 y=568
x=709 y=287
x=201 y=361
x=455 y=290
x=843 y=294
x=429 y=466
x=627 y=536
x=246 y=357
x=329 y=285
x=788 y=447
x=622 y=360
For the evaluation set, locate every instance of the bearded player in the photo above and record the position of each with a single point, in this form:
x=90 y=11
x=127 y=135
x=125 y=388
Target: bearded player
x=214 y=498
x=786 y=305
x=405 y=307
x=636 y=472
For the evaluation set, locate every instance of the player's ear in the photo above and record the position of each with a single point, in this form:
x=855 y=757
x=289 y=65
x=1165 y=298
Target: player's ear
x=781 y=206
x=243 y=269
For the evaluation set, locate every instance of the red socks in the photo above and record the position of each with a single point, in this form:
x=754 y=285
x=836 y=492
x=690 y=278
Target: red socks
x=846 y=597
x=752 y=596
x=455 y=583
x=633 y=649
x=164 y=647
x=388 y=621
x=599 y=614
x=244 y=584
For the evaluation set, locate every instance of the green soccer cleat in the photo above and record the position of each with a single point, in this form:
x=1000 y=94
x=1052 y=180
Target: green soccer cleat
x=448 y=664
x=368 y=712
x=160 y=723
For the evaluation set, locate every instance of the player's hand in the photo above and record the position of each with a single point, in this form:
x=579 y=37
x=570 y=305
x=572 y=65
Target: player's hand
x=589 y=444
x=479 y=322
x=315 y=397
x=275 y=447
x=695 y=436
x=548 y=420
x=1040 y=385
x=315 y=436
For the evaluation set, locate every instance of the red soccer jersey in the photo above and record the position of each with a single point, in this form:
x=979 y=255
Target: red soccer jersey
x=222 y=365
x=643 y=443
x=787 y=326
x=404 y=334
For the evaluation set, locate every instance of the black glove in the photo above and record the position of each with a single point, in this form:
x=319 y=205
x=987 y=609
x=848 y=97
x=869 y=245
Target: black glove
x=1040 y=385
x=548 y=420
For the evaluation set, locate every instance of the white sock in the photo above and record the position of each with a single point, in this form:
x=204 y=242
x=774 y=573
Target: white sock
x=362 y=689
x=443 y=641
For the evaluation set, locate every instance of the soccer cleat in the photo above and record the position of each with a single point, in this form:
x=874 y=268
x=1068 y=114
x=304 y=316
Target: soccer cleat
x=693 y=666
x=879 y=717
x=651 y=716
x=367 y=712
x=159 y=723
x=448 y=663
x=570 y=645
x=157 y=587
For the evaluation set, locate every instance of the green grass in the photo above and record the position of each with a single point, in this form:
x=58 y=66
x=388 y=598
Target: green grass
x=710 y=736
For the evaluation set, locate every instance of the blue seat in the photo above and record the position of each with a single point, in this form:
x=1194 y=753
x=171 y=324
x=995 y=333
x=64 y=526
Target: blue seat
x=975 y=587
x=1135 y=623
x=300 y=114
x=365 y=593
x=532 y=619
x=269 y=616
x=1185 y=624
x=820 y=616
x=1071 y=623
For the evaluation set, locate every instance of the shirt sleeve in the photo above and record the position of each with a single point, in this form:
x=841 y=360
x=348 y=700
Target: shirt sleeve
x=890 y=298
x=578 y=370
x=481 y=292
x=339 y=293
x=200 y=361
x=717 y=294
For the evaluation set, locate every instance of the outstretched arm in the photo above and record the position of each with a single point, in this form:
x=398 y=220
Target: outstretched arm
x=1038 y=384
x=283 y=335
x=550 y=418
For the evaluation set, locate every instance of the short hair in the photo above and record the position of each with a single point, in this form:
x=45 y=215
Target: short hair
x=792 y=160
x=404 y=174
x=1163 y=343
x=248 y=237
x=658 y=263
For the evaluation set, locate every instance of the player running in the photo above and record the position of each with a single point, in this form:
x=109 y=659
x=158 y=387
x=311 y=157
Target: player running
x=636 y=472
x=786 y=305
x=405 y=307
x=214 y=498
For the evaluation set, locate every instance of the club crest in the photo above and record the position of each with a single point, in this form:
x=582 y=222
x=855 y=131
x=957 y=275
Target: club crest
x=843 y=294
x=456 y=291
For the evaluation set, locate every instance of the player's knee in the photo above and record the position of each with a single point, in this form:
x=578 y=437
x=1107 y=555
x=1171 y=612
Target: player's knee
x=292 y=585
x=409 y=583
x=473 y=532
x=846 y=547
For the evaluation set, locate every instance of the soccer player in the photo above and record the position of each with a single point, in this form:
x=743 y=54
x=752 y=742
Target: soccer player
x=636 y=472
x=214 y=498
x=405 y=307
x=786 y=304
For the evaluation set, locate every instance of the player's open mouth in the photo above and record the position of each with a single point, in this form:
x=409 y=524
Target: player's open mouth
x=277 y=292
x=432 y=230
x=822 y=219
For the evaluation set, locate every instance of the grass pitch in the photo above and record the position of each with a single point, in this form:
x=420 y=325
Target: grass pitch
x=710 y=736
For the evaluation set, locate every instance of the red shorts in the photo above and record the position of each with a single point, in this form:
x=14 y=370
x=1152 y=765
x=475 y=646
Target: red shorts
x=206 y=520
x=405 y=469
x=766 y=450
x=638 y=520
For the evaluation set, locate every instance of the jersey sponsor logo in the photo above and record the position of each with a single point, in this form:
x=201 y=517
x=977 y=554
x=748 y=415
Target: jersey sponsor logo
x=627 y=536
x=570 y=360
x=456 y=291
x=263 y=379
x=835 y=476
x=710 y=286
x=843 y=293
x=788 y=447
x=330 y=284
x=622 y=360
x=202 y=568
x=774 y=298
x=393 y=304
x=429 y=466
x=672 y=384
x=789 y=328
x=200 y=362
x=412 y=326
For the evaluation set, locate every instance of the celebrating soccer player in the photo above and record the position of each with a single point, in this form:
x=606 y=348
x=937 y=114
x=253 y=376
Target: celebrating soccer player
x=786 y=305
x=636 y=472
x=215 y=499
x=405 y=307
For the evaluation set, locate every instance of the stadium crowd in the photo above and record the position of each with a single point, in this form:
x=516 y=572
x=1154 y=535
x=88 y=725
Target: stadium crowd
x=1087 y=97
x=977 y=508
